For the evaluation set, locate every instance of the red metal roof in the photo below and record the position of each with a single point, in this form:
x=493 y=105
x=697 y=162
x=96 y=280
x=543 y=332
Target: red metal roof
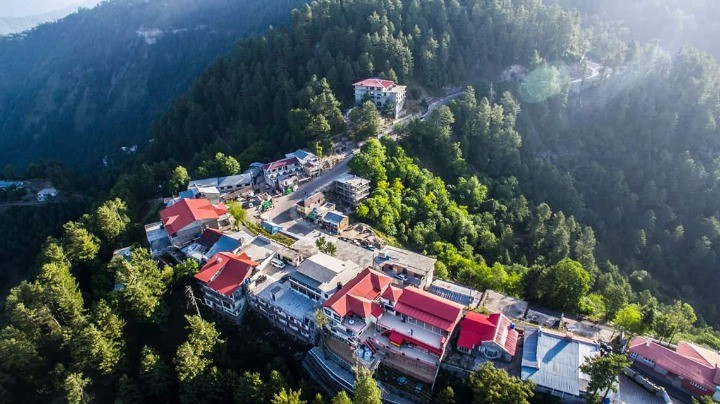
x=375 y=83
x=392 y=293
x=396 y=338
x=225 y=272
x=281 y=163
x=687 y=367
x=428 y=308
x=188 y=211
x=357 y=295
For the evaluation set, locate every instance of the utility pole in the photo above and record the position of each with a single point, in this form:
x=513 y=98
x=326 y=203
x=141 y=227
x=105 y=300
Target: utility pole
x=191 y=300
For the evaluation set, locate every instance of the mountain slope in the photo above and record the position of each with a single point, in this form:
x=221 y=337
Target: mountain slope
x=92 y=82
x=14 y=24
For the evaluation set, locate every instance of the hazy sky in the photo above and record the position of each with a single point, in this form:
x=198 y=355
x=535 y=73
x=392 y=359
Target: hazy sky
x=22 y=8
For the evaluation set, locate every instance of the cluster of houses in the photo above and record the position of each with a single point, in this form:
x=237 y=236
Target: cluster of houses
x=374 y=307
x=385 y=307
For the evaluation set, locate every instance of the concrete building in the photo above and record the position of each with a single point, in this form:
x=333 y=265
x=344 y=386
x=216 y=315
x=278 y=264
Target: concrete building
x=335 y=222
x=306 y=205
x=690 y=367
x=406 y=267
x=351 y=189
x=321 y=275
x=46 y=194
x=406 y=329
x=381 y=93
x=494 y=336
x=222 y=278
x=186 y=220
x=224 y=185
x=552 y=361
x=457 y=293
x=281 y=168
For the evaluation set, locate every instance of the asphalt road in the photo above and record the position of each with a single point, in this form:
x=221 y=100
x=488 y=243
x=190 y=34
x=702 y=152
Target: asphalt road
x=283 y=212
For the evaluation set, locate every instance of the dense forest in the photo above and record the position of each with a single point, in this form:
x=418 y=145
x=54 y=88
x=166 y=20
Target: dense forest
x=600 y=203
x=95 y=80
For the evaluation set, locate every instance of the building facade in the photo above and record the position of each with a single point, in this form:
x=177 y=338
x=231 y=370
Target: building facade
x=381 y=93
x=352 y=189
x=221 y=280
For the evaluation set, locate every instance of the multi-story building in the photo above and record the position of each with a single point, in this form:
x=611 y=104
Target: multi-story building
x=406 y=267
x=552 y=360
x=689 y=367
x=230 y=183
x=281 y=168
x=494 y=336
x=306 y=205
x=185 y=220
x=407 y=329
x=289 y=296
x=381 y=93
x=222 y=278
x=351 y=189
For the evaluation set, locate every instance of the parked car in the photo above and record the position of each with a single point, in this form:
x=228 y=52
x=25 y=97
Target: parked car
x=402 y=277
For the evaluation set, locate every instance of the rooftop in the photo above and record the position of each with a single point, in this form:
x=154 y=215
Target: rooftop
x=356 y=296
x=507 y=305
x=692 y=362
x=325 y=273
x=261 y=248
x=313 y=199
x=290 y=301
x=477 y=328
x=187 y=211
x=344 y=252
x=225 y=272
x=230 y=180
x=373 y=82
x=413 y=333
x=552 y=360
x=407 y=259
x=157 y=236
x=281 y=163
x=455 y=292
x=334 y=217
x=352 y=180
x=428 y=308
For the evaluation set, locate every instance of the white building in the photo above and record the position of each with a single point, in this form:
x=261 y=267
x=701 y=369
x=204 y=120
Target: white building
x=46 y=193
x=380 y=92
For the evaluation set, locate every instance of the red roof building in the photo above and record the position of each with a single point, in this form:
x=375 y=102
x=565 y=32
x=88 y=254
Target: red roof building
x=359 y=296
x=693 y=368
x=493 y=335
x=224 y=273
x=189 y=213
x=376 y=83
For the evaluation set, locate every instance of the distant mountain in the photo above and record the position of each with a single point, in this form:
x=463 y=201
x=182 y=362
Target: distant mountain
x=87 y=85
x=17 y=24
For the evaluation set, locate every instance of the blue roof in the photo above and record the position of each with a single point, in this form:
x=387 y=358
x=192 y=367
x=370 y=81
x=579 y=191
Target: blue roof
x=334 y=217
x=300 y=154
x=224 y=244
x=553 y=361
x=189 y=194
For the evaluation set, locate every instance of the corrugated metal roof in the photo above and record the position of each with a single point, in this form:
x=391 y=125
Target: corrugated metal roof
x=553 y=361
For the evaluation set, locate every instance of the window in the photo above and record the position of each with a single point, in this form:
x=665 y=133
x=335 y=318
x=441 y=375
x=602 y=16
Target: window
x=699 y=387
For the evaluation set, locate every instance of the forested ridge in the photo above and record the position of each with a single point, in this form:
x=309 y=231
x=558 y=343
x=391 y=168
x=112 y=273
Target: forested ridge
x=516 y=186
x=95 y=80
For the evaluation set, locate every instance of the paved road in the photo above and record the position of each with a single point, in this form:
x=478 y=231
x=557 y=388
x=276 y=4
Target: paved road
x=283 y=211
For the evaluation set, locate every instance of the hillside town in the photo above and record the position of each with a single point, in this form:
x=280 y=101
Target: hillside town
x=298 y=260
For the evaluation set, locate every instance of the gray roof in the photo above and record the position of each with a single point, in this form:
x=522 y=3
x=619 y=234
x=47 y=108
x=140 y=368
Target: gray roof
x=334 y=217
x=351 y=179
x=345 y=251
x=454 y=292
x=553 y=360
x=230 y=180
x=408 y=259
x=326 y=271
